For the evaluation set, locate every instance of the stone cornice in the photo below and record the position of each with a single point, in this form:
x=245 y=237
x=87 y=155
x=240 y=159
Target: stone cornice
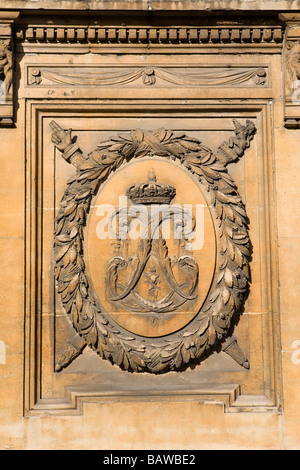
x=289 y=17
x=8 y=16
x=220 y=35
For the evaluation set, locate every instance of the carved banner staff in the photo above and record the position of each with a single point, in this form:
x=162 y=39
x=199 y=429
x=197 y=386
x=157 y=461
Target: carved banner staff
x=223 y=303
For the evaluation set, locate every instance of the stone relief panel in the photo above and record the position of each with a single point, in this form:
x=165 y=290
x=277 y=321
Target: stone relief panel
x=145 y=312
x=188 y=315
x=150 y=207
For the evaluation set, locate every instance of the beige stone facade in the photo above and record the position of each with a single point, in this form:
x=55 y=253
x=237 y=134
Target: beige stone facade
x=162 y=341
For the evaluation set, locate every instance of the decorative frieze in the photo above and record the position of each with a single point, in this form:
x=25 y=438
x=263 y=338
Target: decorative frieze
x=156 y=308
x=151 y=35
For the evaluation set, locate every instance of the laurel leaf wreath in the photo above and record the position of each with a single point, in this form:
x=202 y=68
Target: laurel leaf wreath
x=230 y=284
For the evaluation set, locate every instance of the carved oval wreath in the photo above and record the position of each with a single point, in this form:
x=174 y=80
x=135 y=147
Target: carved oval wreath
x=213 y=322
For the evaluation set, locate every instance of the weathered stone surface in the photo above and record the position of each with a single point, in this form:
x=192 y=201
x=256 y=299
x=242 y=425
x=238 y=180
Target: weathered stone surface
x=201 y=5
x=135 y=333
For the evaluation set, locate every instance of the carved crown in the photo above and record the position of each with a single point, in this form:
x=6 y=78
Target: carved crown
x=151 y=192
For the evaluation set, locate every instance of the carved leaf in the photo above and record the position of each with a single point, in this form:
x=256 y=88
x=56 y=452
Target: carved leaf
x=74 y=315
x=63 y=238
x=73 y=254
x=225 y=295
x=78 y=300
x=73 y=283
x=158 y=368
x=138 y=135
x=239 y=257
x=229 y=212
x=178 y=360
x=60 y=252
x=224 y=198
x=215 y=295
x=136 y=362
x=185 y=355
x=82 y=195
x=120 y=357
x=175 y=149
x=190 y=145
x=129 y=149
x=231 y=251
x=219 y=209
x=125 y=362
x=210 y=173
x=228 y=278
x=92 y=338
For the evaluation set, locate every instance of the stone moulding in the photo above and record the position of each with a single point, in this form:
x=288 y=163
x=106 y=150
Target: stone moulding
x=262 y=377
x=227 y=395
x=151 y=35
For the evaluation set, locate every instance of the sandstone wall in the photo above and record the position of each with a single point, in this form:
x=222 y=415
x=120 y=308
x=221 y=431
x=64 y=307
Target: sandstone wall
x=109 y=71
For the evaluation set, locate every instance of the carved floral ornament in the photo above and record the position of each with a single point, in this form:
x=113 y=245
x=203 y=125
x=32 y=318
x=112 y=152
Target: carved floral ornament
x=223 y=303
